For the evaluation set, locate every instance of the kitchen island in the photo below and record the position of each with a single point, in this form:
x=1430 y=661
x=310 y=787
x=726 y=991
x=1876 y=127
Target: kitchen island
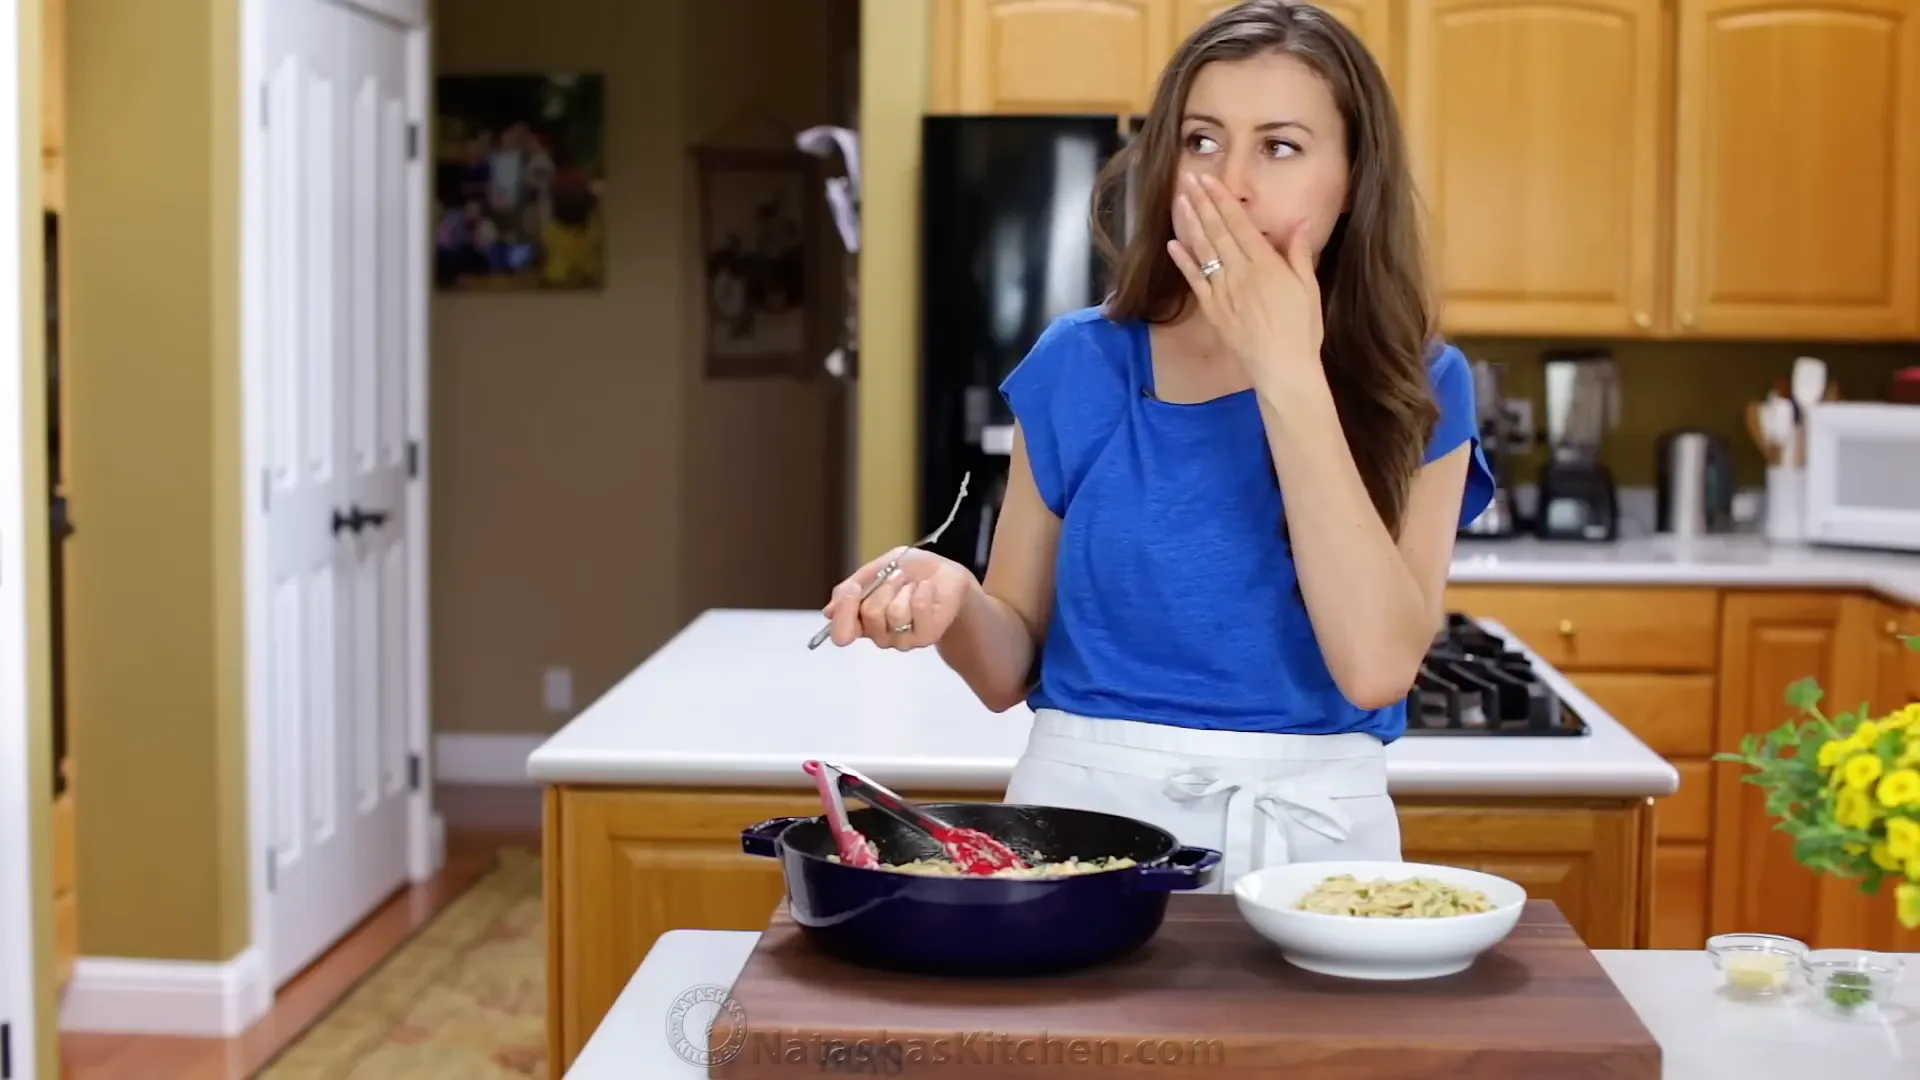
x=648 y=789
x=1702 y=1034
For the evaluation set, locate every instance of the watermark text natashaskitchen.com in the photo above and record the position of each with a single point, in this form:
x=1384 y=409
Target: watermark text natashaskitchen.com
x=706 y=1026
x=884 y=1054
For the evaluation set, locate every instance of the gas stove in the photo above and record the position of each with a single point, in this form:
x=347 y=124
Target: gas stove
x=1471 y=683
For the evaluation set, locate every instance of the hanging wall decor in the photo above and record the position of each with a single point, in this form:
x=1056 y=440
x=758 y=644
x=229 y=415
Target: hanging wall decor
x=760 y=226
x=518 y=182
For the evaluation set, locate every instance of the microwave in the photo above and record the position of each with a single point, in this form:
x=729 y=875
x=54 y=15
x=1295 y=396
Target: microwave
x=1863 y=475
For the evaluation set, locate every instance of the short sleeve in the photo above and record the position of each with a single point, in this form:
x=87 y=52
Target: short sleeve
x=1454 y=392
x=1033 y=390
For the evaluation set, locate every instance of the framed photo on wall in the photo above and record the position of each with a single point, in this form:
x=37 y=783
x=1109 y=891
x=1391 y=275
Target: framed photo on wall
x=518 y=182
x=760 y=224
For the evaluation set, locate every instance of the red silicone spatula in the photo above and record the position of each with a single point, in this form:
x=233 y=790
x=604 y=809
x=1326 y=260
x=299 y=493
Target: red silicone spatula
x=855 y=849
x=973 y=851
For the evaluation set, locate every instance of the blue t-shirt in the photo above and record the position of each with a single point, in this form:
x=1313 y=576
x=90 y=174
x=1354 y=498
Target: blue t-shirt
x=1175 y=598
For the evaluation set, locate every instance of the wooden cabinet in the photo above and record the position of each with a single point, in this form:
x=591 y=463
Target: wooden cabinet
x=1668 y=169
x=1771 y=641
x=624 y=865
x=1797 y=168
x=1535 y=129
x=1657 y=678
x=1081 y=56
x=1048 y=56
x=1709 y=668
x=1913 y=657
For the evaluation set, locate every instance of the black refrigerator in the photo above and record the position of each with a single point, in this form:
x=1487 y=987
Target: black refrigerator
x=1006 y=247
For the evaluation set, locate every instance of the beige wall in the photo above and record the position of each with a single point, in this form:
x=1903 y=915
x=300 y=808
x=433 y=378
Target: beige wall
x=591 y=490
x=154 y=631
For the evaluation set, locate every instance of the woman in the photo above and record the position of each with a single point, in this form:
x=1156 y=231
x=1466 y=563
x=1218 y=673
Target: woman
x=1234 y=489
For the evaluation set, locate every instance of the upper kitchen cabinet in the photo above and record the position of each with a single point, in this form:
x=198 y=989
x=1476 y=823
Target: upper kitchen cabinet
x=1083 y=56
x=1048 y=56
x=1797 y=168
x=1371 y=20
x=1534 y=128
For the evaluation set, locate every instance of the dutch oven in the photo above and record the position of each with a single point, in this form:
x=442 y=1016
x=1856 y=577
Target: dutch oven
x=965 y=925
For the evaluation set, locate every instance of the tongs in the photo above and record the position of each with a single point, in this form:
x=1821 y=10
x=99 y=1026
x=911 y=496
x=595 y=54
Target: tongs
x=855 y=849
x=973 y=851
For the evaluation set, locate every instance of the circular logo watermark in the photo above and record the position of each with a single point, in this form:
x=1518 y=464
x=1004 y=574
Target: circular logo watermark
x=695 y=1015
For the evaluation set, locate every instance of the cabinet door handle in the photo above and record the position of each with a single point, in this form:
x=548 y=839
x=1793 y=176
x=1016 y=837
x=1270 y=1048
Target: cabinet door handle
x=1566 y=627
x=1642 y=320
x=1893 y=627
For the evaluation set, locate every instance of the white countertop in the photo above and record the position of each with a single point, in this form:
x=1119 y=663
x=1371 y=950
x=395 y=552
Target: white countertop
x=1702 y=1036
x=737 y=700
x=1723 y=560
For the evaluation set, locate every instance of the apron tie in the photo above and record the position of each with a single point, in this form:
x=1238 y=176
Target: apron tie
x=1278 y=801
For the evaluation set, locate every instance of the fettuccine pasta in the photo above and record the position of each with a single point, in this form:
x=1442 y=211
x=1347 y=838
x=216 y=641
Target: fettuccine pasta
x=1413 y=898
x=1063 y=868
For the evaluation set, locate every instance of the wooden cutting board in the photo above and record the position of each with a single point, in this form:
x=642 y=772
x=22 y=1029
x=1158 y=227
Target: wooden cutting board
x=1208 y=997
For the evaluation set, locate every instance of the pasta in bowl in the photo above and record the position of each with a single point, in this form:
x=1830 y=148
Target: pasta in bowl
x=1379 y=920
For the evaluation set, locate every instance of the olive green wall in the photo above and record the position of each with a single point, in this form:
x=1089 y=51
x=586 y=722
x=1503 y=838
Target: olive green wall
x=150 y=246
x=1666 y=385
x=33 y=490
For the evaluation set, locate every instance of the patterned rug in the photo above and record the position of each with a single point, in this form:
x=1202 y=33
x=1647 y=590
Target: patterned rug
x=465 y=999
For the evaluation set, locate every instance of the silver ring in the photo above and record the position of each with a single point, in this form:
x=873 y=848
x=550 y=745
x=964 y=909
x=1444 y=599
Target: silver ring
x=1209 y=268
x=907 y=629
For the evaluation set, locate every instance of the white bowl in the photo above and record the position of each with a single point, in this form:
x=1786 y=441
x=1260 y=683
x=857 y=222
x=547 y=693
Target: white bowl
x=1356 y=947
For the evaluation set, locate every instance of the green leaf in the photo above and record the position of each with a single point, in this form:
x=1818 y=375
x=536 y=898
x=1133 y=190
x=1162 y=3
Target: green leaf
x=1805 y=695
x=1912 y=640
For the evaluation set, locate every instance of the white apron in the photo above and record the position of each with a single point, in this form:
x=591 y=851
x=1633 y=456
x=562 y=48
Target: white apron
x=1259 y=799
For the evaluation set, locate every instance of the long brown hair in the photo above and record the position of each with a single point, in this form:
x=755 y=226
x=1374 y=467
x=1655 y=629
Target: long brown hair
x=1379 y=317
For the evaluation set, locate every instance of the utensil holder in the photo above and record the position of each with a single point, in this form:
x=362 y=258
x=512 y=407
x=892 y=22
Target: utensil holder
x=1786 y=521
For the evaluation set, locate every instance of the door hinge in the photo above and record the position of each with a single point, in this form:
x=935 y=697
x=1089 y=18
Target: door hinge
x=413 y=772
x=413 y=459
x=6 y=1051
x=266 y=490
x=264 y=98
x=273 y=874
x=413 y=142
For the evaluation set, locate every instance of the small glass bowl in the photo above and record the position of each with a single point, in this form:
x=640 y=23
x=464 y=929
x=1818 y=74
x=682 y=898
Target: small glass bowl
x=1756 y=965
x=1849 y=982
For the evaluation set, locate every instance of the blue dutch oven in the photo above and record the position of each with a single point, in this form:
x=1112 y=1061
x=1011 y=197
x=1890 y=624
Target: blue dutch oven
x=982 y=925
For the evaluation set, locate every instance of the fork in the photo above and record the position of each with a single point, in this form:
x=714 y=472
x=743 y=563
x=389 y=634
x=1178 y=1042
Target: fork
x=892 y=566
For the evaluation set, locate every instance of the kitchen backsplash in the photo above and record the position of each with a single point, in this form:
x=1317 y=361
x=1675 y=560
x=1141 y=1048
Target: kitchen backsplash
x=1666 y=385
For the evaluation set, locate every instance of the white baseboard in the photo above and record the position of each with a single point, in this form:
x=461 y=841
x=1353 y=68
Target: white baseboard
x=167 y=997
x=473 y=757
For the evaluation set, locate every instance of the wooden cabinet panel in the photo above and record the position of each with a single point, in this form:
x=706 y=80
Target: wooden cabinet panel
x=1679 y=897
x=1771 y=640
x=1372 y=21
x=1592 y=860
x=1687 y=814
x=1049 y=56
x=1672 y=714
x=1578 y=628
x=1912 y=658
x=1797 y=176
x=1534 y=127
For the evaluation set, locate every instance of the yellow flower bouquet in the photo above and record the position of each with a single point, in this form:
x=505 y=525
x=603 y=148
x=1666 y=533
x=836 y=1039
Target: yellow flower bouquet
x=1847 y=789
